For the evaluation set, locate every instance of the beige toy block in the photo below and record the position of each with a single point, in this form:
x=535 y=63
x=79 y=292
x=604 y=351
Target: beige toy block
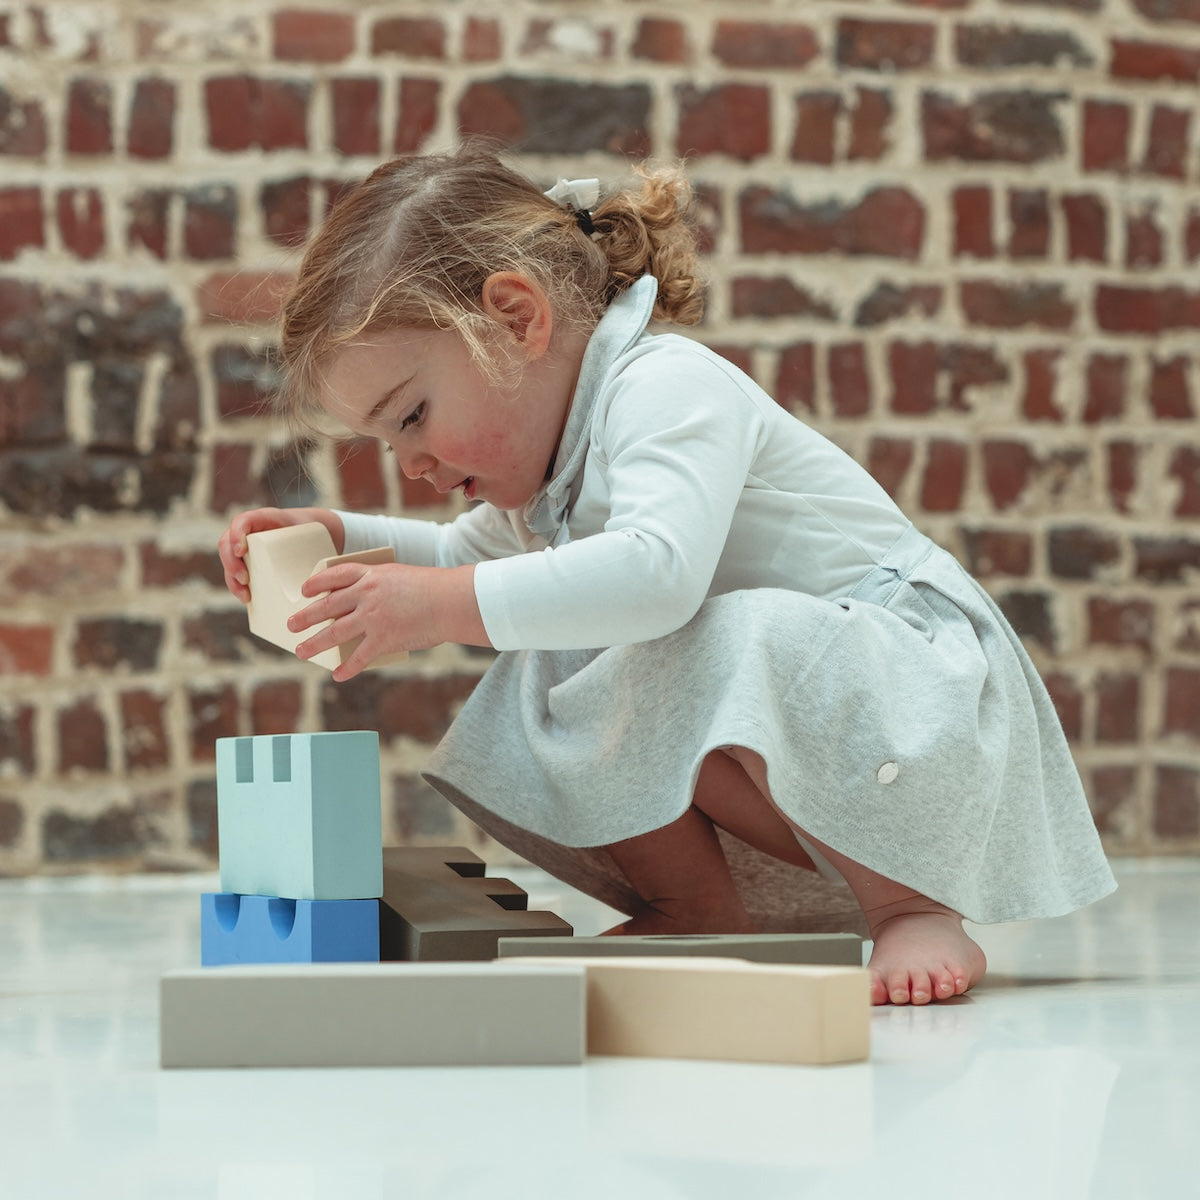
x=826 y=949
x=725 y=1009
x=373 y=1015
x=278 y=562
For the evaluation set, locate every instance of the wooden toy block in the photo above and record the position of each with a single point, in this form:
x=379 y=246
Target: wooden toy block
x=829 y=949
x=298 y=815
x=385 y=1015
x=267 y=929
x=439 y=907
x=278 y=562
x=720 y=1008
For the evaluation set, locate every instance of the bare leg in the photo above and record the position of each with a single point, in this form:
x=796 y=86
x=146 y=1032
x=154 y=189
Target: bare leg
x=921 y=951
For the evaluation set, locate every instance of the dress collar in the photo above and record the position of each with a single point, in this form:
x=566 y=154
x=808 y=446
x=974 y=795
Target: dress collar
x=623 y=323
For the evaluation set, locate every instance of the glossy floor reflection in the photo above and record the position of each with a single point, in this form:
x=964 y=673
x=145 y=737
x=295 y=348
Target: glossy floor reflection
x=1073 y=1072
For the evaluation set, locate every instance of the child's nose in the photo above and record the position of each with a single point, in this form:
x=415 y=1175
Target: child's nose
x=414 y=465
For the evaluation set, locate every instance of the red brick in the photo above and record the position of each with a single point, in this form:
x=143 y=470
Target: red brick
x=1112 y=794
x=81 y=221
x=89 y=117
x=1031 y=614
x=1118 y=708
x=1038 y=399
x=763 y=44
x=1167 y=559
x=816 y=126
x=246 y=113
x=1082 y=552
x=18 y=748
x=234 y=485
x=1002 y=47
x=1107 y=383
x=1122 y=466
x=733 y=119
x=1120 y=622
x=992 y=552
x=1106 y=126
x=481 y=40
x=742 y=357
x=210 y=223
x=775 y=296
x=1007 y=471
x=1191 y=236
x=1087 y=228
x=1124 y=309
x=242 y=297
x=1002 y=126
x=144 y=730
x=1169 y=10
x=889 y=461
x=151 y=131
x=1176 y=802
x=275 y=707
x=244 y=379
x=1016 y=306
x=22 y=126
x=309 y=35
x=849 y=379
x=585 y=39
x=26 y=649
x=884 y=45
x=913 y=370
x=1154 y=61
x=1167 y=147
x=148 y=210
x=945 y=476
x=82 y=737
x=973 y=221
x=412 y=37
x=1181 y=702
x=1068 y=703
x=1184 y=468
x=1186 y=629
x=416 y=113
x=889 y=302
x=1143 y=241
x=360 y=473
x=1170 y=390
x=356 y=115
x=159 y=568
x=213 y=714
x=1029 y=218
x=661 y=40
x=21 y=220
x=795 y=381
x=967 y=366
x=286 y=207
x=869 y=121
x=887 y=221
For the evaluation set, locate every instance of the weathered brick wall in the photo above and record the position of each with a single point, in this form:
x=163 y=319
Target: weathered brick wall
x=958 y=237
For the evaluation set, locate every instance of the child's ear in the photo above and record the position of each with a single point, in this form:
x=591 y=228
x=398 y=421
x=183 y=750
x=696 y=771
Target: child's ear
x=518 y=304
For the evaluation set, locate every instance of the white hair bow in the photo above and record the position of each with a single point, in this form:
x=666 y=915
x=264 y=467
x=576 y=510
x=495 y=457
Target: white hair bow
x=577 y=194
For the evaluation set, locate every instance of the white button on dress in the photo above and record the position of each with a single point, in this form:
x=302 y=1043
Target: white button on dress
x=887 y=773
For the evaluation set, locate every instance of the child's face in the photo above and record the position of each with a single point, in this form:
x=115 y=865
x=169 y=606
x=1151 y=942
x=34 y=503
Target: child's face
x=422 y=393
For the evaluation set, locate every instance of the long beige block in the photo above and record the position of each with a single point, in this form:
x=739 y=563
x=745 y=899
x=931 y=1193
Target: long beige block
x=725 y=1009
x=278 y=562
x=373 y=1015
x=827 y=949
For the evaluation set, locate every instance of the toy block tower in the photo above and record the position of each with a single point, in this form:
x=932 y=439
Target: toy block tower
x=301 y=850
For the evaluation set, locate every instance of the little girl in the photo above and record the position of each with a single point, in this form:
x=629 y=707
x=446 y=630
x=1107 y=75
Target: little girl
x=734 y=678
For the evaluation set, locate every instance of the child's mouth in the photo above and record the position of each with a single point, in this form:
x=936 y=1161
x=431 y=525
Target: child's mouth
x=468 y=487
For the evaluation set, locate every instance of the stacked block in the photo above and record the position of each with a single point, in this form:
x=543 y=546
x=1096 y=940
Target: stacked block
x=278 y=562
x=300 y=840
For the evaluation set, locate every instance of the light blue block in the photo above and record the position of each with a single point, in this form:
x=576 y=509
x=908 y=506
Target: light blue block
x=266 y=929
x=298 y=816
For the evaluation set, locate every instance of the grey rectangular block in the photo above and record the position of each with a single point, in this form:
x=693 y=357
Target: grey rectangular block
x=373 y=1015
x=810 y=949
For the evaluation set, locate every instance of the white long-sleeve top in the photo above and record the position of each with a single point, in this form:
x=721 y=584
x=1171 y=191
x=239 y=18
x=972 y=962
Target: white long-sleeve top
x=677 y=478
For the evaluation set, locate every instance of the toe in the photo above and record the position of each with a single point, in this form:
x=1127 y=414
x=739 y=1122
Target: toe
x=879 y=991
x=946 y=982
x=920 y=989
x=898 y=987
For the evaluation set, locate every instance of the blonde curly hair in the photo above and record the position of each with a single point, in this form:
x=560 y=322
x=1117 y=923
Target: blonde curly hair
x=412 y=245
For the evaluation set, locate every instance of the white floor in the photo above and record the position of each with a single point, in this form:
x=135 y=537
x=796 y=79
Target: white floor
x=1073 y=1072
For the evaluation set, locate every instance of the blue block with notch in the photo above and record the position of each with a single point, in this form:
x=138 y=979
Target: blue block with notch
x=298 y=815
x=267 y=929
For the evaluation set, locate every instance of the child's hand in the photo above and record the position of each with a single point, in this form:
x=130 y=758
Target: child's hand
x=391 y=607
x=232 y=544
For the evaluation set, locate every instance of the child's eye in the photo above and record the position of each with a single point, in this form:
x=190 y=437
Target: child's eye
x=414 y=417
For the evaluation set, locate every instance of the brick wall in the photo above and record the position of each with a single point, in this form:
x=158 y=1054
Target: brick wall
x=960 y=238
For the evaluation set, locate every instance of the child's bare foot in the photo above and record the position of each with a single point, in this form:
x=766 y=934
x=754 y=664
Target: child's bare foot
x=921 y=954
